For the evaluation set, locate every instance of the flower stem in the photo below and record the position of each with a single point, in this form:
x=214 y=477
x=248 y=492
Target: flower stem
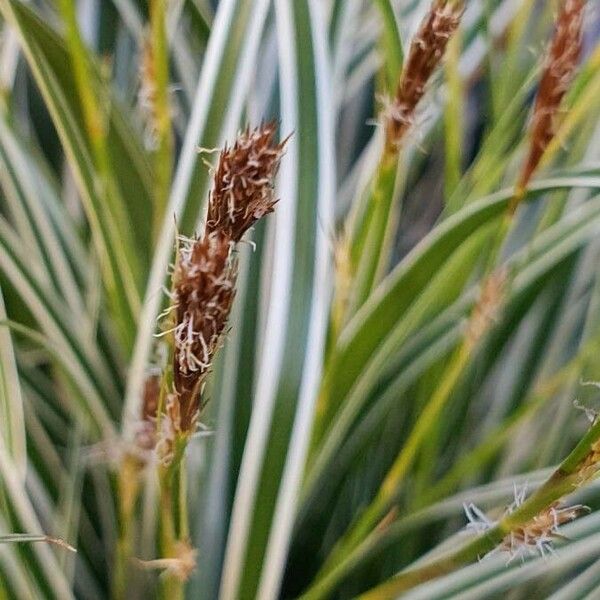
x=128 y=483
x=173 y=515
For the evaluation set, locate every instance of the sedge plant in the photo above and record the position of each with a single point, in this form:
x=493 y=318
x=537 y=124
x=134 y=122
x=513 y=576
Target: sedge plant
x=299 y=299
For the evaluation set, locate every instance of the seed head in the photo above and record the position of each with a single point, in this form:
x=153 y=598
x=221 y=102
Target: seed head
x=560 y=64
x=204 y=275
x=203 y=290
x=534 y=537
x=539 y=534
x=488 y=306
x=425 y=54
x=243 y=182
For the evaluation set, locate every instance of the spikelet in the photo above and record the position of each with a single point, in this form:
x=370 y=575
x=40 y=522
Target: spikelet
x=560 y=64
x=537 y=536
x=425 y=54
x=204 y=275
x=203 y=292
x=243 y=182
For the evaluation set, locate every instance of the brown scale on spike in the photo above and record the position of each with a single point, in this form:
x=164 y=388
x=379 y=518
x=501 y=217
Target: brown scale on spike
x=538 y=534
x=203 y=291
x=559 y=67
x=542 y=530
x=425 y=54
x=243 y=182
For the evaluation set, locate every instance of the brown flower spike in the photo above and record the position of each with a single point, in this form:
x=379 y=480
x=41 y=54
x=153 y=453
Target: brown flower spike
x=204 y=276
x=204 y=288
x=559 y=67
x=540 y=533
x=243 y=183
x=535 y=536
x=425 y=54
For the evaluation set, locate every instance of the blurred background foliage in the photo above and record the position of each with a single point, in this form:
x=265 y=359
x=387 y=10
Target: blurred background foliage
x=350 y=310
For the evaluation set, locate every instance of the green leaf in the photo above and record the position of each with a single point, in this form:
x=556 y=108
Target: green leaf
x=391 y=44
x=86 y=364
x=278 y=435
x=235 y=376
x=379 y=316
x=11 y=402
x=535 y=264
x=20 y=505
x=31 y=197
x=123 y=248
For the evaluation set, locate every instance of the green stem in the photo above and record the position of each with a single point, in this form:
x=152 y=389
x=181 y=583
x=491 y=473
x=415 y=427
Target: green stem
x=391 y=44
x=128 y=484
x=371 y=238
x=171 y=588
x=173 y=514
x=162 y=110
